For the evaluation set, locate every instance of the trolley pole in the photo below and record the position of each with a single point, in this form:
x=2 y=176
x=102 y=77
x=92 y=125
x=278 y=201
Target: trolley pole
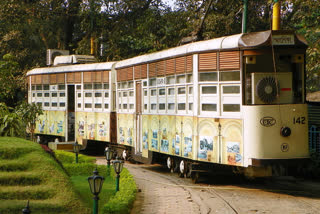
x=244 y=16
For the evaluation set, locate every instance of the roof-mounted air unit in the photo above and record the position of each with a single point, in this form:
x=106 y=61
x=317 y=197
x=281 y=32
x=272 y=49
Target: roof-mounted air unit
x=73 y=59
x=272 y=88
x=52 y=53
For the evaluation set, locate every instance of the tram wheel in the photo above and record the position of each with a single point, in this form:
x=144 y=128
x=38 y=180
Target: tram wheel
x=170 y=164
x=182 y=169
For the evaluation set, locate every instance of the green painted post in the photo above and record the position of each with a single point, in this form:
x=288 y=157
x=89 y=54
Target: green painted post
x=76 y=157
x=117 y=182
x=95 y=204
x=244 y=16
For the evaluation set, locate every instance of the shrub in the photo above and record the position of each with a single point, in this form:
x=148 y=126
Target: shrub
x=123 y=200
x=69 y=157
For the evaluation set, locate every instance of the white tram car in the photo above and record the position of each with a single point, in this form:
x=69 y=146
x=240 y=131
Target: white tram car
x=237 y=100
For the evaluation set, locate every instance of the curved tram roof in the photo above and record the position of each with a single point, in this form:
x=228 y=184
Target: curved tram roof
x=235 y=42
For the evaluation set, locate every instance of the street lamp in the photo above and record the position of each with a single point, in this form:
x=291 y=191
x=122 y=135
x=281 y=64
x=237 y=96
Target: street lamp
x=76 y=149
x=26 y=210
x=95 y=183
x=109 y=154
x=117 y=165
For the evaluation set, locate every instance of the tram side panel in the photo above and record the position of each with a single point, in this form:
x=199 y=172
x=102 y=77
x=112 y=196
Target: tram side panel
x=51 y=123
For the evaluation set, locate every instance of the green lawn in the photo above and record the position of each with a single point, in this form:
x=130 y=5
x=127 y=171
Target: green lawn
x=27 y=172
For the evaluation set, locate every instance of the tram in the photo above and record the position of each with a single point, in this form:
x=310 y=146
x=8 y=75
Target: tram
x=237 y=101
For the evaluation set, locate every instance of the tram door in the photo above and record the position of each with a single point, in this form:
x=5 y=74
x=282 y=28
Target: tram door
x=138 y=118
x=71 y=113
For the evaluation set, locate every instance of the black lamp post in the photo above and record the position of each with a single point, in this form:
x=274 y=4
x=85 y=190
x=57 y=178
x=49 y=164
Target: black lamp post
x=109 y=154
x=95 y=183
x=117 y=165
x=76 y=149
x=26 y=210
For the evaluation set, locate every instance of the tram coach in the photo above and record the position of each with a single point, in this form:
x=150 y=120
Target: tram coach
x=237 y=100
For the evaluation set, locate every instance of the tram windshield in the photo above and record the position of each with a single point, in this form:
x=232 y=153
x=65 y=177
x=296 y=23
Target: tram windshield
x=273 y=78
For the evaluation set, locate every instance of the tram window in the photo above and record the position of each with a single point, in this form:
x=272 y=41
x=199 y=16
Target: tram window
x=79 y=94
x=153 y=106
x=33 y=87
x=182 y=90
x=46 y=87
x=208 y=89
x=209 y=107
x=88 y=94
x=162 y=106
x=39 y=94
x=131 y=93
x=190 y=106
x=39 y=104
x=170 y=80
x=124 y=94
x=145 y=83
x=145 y=106
x=231 y=89
x=190 y=90
x=119 y=94
x=33 y=94
x=47 y=104
x=97 y=94
x=208 y=77
x=145 y=92
x=97 y=86
x=162 y=91
x=125 y=106
x=106 y=105
x=79 y=105
x=153 y=92
x=230 y=76
x=54 y=94
x=98 y=105
x=189 y=78
x=87 y=86
x=39 y=87
x=47 y=94
x=106 y=94
x=119 y=86
x=54 y=104
x=170 y=106
x=170 y=91
x=61 y=87
x=78 y=87
x=130 y=84
x=88 y=105
x=153 y=82
x=124 y=85
x=181 y=79
x=62 y=104
x=106 y=86
x=62 y=94
x=181 y=106
x=131 y=106
x=231 y=107
x=119 y=106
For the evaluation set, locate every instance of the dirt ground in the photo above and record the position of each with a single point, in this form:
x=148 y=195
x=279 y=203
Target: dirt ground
x=160 y=191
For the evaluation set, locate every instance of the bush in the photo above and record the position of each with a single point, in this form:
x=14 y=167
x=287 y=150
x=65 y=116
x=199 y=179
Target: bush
x=123 y=200
x=69 y=157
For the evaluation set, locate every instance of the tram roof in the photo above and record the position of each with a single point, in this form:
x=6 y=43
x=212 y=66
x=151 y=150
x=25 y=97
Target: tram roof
x=235 y=42
x=104 y=66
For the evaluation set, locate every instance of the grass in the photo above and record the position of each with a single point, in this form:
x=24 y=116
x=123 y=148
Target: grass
x=27 y=172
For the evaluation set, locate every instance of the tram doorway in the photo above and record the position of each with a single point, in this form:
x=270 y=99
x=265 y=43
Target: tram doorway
x=138 y=118
x=71 y=113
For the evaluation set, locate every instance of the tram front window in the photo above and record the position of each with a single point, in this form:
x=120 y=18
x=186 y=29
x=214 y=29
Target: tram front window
x=274 y=80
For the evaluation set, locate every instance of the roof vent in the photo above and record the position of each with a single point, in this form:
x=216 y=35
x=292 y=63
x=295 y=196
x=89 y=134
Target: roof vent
x=52 y=53
x=73 y=59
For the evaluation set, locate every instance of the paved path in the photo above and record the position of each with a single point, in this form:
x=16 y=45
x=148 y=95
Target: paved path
x=161 y=192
